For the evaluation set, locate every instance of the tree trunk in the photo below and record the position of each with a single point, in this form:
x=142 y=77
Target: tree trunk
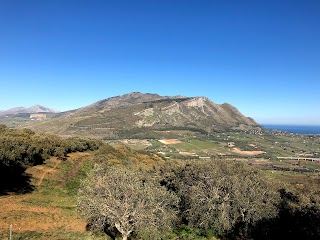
x=123 y=232
x=125 y=235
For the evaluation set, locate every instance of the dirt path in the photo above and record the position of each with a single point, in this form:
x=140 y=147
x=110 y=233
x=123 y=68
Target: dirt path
x=57 y=162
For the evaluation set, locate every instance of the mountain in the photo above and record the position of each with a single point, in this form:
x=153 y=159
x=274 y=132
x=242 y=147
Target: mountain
x=128 y=99
x=131 y=114
x=23 y=110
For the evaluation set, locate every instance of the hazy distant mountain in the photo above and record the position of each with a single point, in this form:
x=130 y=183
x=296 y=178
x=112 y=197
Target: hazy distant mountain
x=136 y=112
x=23 y=110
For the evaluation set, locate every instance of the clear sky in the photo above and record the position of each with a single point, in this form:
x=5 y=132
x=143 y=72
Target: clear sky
x=263 y=57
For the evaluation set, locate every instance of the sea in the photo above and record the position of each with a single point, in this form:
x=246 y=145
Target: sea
x=300 y=129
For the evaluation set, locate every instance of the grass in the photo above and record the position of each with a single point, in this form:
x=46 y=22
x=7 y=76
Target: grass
x=289 y=177
x=194 y=145
x=49 y=212
x=201 y=147
x=185 y=147
x=204 y=144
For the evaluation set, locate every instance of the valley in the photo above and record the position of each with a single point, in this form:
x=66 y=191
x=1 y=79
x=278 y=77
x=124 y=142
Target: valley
x=264 y=150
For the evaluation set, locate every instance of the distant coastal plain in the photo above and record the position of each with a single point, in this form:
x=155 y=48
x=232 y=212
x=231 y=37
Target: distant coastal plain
x=299 y=129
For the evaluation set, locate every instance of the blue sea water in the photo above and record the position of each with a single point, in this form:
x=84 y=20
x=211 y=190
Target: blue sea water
x=300 y=129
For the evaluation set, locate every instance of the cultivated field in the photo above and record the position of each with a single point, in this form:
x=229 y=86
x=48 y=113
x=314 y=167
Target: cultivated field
x=261 y=150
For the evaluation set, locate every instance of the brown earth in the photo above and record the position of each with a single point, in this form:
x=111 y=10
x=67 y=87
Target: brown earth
x=170 y=141
x=18 y=211
x=247 y=153
x=48 y=170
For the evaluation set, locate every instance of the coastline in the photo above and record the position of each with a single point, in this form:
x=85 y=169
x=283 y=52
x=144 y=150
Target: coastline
x=297 y=129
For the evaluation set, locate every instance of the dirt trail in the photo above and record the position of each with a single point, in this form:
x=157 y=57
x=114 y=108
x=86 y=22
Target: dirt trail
x=57 y=162
x=71 y=157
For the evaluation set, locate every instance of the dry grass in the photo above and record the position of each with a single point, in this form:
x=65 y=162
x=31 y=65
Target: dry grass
x=24 y=214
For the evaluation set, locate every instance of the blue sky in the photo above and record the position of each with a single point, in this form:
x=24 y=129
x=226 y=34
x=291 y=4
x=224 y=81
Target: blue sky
x=261 y=56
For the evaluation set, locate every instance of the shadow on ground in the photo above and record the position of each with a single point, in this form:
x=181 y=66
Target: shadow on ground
x=14 y=180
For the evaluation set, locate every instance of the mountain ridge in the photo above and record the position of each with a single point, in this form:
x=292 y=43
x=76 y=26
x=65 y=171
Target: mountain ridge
x=135 y=112
x=126 y=99
x=22 y=110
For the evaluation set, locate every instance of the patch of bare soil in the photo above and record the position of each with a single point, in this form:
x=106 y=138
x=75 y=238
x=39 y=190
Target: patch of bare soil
x=170 y=141
x=247 y=153
x=262 y=161
x=73 y=156
x=188 y=154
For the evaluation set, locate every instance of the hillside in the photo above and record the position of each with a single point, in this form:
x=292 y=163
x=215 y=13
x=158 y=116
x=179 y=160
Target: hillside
x=44 y=207
x=126 y=115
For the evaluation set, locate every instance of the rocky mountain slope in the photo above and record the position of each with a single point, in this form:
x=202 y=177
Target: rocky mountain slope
x=23 y=110
x=129 y=114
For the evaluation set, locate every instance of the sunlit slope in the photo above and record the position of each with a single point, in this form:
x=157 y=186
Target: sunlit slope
x=118 y=116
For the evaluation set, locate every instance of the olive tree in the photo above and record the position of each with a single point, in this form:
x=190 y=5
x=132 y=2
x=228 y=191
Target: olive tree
x=126 y=200
x=219 y=195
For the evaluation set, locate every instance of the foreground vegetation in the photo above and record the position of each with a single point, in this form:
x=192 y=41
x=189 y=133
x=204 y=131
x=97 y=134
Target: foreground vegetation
x=225 y=199
x=124 y=193
x=49 y=211
x=24 y=148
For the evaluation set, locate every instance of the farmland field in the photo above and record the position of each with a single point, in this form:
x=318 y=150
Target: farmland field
x=235 y=146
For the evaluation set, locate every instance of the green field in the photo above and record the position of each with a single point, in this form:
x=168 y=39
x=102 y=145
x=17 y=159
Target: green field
x=250 y=147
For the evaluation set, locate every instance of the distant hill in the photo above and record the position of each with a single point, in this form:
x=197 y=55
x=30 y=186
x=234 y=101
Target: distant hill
x=131 y=114
x=24 y=110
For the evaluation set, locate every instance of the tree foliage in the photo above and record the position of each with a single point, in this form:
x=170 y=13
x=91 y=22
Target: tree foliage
x=221 y=195
x=216 y=195
x=26 y=148
x=128 y=201
x=22 y=148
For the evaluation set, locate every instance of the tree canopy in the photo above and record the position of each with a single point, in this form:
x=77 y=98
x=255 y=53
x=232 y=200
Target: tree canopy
x=22 y=148
x=127 y=200
x=219 y=194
